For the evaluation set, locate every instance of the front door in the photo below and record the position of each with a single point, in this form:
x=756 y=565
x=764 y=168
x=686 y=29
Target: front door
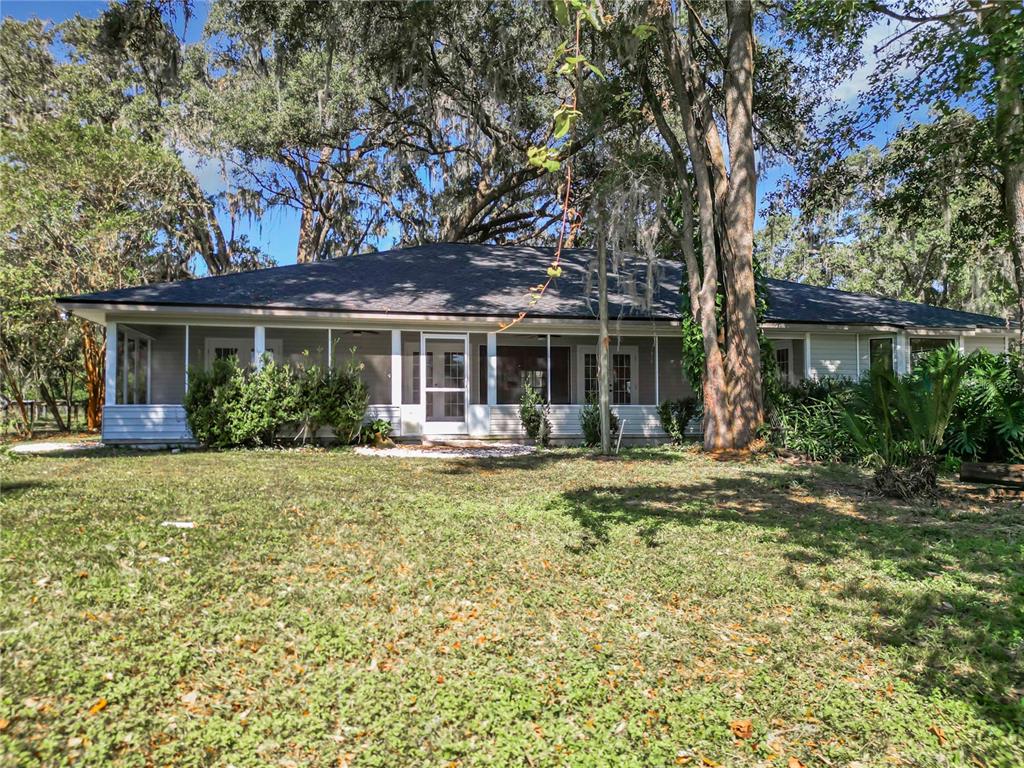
x=444 y=377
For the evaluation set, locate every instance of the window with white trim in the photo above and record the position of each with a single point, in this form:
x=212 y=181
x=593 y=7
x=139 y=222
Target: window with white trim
x=622 y=368
x=922 y=346
x=133 y=360
x=882 y=352
x=242 y=349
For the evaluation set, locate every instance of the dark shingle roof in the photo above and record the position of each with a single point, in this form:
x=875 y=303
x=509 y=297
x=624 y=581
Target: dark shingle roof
x=464 y=279
x=799 y=303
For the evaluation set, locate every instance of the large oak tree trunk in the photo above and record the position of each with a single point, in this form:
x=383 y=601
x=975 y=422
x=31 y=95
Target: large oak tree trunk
x=715 y=386
x=1009 y=135
x=318 y=199
x=743 y=349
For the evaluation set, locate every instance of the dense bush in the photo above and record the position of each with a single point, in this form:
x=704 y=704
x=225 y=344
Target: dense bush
x=808 y=419
x=267 y=401
x=675 y=415
x=949 y=408
x=211 y=397
x=533 y=413
x=227 y=405
x=590 y=423
x=987 y=423
x=344 y=401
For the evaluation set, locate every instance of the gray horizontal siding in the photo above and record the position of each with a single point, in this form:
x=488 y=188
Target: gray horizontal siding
x=995 y=345
x=145 y=423
x=168 y=424
x=638 y=421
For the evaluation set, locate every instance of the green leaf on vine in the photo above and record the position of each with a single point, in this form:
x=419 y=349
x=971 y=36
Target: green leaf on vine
x=561 y=9
x=543 y=157
x=572 y=61
x=554 y=271
x=643 y=31
x=565 y=117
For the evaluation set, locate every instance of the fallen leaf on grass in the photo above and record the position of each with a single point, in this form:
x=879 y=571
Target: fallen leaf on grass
x=742 y=729
x=794 y=763
x=98 y=707
x=939 y=733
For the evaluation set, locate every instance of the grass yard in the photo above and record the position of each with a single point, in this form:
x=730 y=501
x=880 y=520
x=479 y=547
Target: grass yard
x=337 y=610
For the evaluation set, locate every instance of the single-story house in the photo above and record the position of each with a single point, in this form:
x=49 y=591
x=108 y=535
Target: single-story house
x=427 y=323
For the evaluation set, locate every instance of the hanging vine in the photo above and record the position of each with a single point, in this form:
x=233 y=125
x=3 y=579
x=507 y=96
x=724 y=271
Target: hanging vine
x=574 y=66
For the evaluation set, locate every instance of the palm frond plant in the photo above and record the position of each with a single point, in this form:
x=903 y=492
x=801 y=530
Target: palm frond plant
x=988 y=420
x=899 y=422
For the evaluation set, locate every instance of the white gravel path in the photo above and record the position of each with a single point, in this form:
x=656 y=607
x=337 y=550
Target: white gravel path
x=55 y=447
x=448 y=452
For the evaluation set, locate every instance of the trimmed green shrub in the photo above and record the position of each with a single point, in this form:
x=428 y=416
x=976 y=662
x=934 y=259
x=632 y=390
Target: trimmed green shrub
x=268 y=400
x=227 y=405
x=533 y=413
x=211 y=397
x=344 y=400
x=590 y=423
x=675 y=415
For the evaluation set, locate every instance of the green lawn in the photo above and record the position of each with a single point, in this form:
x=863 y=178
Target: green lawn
x=332 y=609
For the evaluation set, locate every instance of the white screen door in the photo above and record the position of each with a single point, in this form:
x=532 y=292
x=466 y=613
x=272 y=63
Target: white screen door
x=444 y=382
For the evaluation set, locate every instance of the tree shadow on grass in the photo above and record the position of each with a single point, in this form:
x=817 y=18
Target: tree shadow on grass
x=965 y=637
x=17 y=488
x=541 y=458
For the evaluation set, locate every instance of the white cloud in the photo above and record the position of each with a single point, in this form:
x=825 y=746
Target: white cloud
x=209 y=172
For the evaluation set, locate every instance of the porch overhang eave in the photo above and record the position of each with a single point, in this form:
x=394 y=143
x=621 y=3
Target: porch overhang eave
x=101 y=311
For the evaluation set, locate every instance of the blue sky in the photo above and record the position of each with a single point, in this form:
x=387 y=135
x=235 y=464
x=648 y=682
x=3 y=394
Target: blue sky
x=277 y=232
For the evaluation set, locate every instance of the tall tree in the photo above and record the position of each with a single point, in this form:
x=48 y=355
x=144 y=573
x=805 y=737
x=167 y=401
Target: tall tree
x=968 y=53
x=912 y=221
x=692 y=60
x=93 y=195
x=368 y=116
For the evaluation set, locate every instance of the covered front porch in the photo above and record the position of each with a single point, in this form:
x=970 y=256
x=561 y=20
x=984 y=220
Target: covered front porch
x=428 y=382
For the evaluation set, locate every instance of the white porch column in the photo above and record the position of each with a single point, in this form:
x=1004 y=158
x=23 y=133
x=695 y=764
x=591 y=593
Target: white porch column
x=858 y=357
x=807 y=355
x=186 y=357
x=110 y=374
x=547 y=373
x=492 y=369
x=961 y=344
x=330 y=349
x=902 y=353
x=657 y=374
x=396 y=367
x=259 y=344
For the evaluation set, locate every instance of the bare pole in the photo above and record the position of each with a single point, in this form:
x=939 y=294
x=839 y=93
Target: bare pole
x=603 y=374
